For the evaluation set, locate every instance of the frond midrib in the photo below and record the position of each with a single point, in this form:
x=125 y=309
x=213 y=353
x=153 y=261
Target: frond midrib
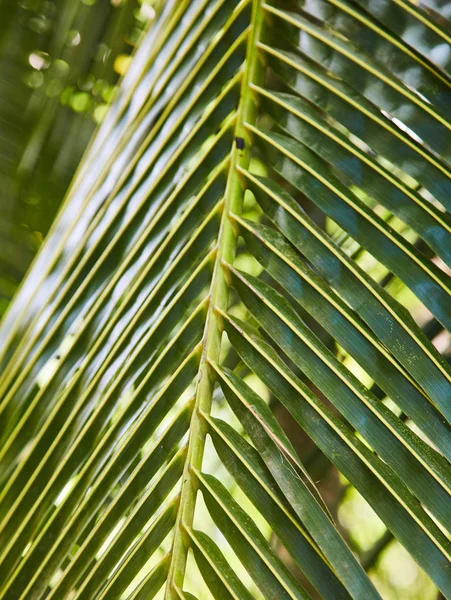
x=219 y=295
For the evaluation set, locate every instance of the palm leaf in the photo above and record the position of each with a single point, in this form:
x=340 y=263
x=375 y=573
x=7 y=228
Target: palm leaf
x=271 y=181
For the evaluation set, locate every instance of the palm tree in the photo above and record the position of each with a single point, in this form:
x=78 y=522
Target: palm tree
x=243 y=281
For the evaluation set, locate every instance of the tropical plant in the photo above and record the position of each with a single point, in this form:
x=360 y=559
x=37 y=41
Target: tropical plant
x=259 y=224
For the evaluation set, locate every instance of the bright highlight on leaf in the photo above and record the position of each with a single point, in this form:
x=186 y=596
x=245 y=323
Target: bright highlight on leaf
x=219 y=310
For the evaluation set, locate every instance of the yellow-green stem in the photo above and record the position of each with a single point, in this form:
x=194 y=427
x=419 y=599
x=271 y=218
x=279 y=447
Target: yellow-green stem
x=219 y=294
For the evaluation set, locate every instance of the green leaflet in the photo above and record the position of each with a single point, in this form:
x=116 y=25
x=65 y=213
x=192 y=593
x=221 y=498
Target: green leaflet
x=297 y=164
x=245 y=404
x=371 y=78
x=273 y=579
x=319 y=300
x=241 y=459
x=354 y=166
x=139 y=555
x=400 y=57
x=390 y=437
x=335 y=437
x=372 y=303
x=217 y=573
x=151 y=584
x=363 y=118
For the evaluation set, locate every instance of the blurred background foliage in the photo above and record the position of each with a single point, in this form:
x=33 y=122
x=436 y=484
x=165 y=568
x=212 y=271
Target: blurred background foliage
x=60 y=63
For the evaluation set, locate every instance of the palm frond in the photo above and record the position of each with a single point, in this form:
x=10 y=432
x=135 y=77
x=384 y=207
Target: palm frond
x=264 y=204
